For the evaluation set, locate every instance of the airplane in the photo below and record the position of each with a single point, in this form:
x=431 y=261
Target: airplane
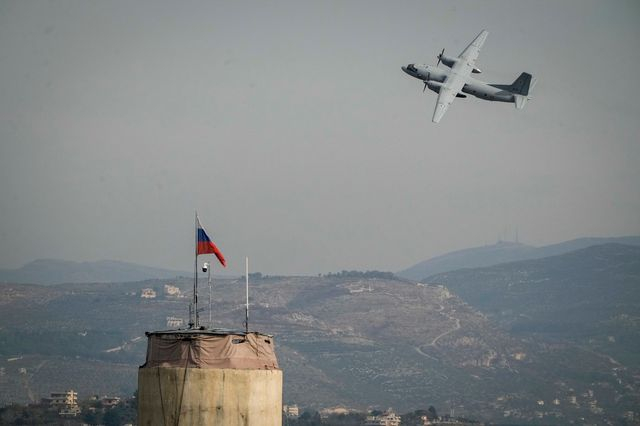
x=458 y=83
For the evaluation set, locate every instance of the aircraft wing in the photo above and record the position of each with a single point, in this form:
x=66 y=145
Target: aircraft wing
x=448 y=92
x=456 y=80
x=470 y=54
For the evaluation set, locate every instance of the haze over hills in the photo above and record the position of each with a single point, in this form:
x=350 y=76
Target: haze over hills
x=502 y=252
x=55 y=271
x=367 y=339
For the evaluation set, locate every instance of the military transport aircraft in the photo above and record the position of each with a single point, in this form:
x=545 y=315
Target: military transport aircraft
x=453 y=83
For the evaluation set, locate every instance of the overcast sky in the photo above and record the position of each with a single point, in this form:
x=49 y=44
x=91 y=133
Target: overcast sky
x=292 y=130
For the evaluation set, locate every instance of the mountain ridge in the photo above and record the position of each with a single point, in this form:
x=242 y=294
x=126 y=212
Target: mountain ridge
x=502 y=252
x=50 y=271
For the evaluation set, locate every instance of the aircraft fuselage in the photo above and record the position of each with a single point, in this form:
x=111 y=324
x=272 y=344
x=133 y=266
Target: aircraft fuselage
x=472 y=86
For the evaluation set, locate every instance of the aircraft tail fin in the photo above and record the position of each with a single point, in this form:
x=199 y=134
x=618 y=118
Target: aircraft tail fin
x=522 y=84
x=521 y=88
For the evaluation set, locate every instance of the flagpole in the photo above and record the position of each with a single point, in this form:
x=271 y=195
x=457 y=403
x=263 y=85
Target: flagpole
x=194 y=321
x=246 y=312
x=203 y=245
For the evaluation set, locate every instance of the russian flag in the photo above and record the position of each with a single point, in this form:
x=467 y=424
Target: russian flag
x=205 y=245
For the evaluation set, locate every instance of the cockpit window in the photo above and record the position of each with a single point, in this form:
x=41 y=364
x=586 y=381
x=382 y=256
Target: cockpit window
x=411 y=67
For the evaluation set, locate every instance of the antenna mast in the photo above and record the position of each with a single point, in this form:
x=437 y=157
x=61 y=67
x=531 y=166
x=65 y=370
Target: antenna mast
x=209 y=267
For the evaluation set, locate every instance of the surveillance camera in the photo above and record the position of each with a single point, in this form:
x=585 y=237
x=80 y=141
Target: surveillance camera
x=205 y=266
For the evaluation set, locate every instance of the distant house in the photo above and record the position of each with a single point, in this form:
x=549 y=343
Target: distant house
x=110 y=401
x=67 y=401
x=339 y=409
x=519 y=356
x=354 y=289
x=148 y=293
x=291 y=411
x=174 y=322
x=172 y=290
x=63 y=398
x=388 y=418
x=71 y=410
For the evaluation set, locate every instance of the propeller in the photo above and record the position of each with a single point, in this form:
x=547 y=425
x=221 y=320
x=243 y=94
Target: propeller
x=440 y=56
x=425 y=82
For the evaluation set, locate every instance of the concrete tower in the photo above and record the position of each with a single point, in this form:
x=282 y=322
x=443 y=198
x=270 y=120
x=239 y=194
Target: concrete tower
x=209 y=377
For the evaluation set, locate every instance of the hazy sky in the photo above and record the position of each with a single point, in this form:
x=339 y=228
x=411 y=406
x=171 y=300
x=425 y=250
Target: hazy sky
x=292 y=130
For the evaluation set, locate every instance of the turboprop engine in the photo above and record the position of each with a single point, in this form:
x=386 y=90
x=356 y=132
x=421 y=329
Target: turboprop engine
x=433 y=85
x=450 y=62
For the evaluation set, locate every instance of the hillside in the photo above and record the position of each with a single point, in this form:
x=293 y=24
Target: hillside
x=341 y=339
x=502 y=252
x=54 y=271
x=590 y=296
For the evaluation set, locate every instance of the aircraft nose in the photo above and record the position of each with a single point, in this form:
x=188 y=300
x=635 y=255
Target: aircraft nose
x=409 y=69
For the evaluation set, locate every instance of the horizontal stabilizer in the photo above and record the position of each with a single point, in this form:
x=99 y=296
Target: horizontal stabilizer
x=521 y=101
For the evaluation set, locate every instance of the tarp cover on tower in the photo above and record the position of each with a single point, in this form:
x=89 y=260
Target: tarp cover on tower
x=206 y=350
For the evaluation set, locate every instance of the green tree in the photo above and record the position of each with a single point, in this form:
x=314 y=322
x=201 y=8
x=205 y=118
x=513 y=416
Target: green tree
x=90 y=417
x=112 y=418
x=432 y=412
x=309 y=418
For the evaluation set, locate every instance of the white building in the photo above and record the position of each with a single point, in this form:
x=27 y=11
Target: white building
x=172 y=290
x=63 y=398
x=338 y=409
x=148 y=293
x=174 y=322
x=388 y=418
x=67 y=401
x=291 y=411
x=69 y=410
